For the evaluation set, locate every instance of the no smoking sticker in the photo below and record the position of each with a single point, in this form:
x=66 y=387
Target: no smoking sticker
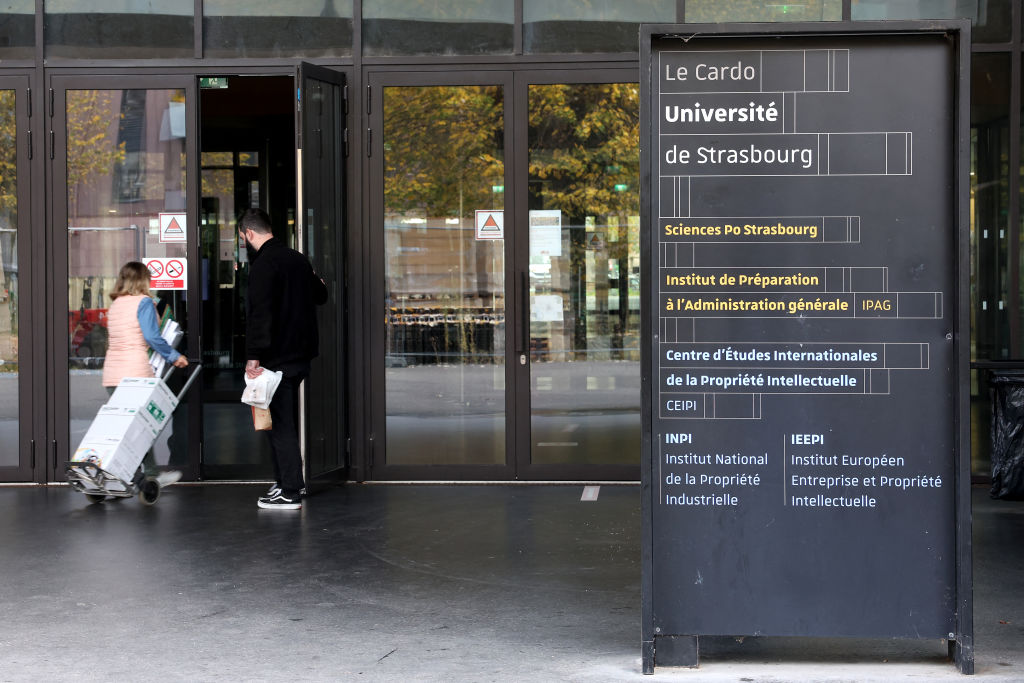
x=167 y=273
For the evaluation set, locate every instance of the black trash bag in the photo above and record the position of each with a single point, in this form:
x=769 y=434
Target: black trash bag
x=1007 y=435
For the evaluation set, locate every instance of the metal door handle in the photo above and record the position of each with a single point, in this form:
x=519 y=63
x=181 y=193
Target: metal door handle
x=524 y=315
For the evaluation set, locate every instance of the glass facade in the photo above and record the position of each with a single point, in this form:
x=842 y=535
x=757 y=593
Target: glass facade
x=444 y=313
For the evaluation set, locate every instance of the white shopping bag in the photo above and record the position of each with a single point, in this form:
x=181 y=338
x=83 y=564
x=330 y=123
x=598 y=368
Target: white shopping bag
x=260 y=391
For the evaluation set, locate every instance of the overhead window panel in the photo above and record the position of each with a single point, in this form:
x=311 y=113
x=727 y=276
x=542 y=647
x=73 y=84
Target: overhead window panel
x=271 y=28
x=437 y=27
x=17 y=29
x=990 y=19
x=121 y=29
x=714 y=11
x=589 y=26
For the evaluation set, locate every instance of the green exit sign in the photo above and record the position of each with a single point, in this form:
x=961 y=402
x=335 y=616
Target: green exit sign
x=213 y=81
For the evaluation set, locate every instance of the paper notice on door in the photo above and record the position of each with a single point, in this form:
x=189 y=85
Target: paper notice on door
x=545 y=233
x=546 y=308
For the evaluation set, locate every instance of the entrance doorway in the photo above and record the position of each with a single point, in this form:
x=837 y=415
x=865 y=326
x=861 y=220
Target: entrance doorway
x=247 y=160
x=259 y=150
x=158 y=167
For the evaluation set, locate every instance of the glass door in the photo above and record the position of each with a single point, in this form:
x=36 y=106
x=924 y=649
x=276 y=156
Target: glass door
x=578 y=258
x=321 y=125
x=439 y=173
x=123 y=159
x=506 y=213
x=16 y=350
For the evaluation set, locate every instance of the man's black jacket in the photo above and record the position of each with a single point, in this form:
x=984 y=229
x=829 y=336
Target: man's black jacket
x=280 y=324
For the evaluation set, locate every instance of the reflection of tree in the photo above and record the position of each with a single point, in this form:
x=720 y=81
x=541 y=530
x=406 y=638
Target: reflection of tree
x=92 y=152
x=443 y=141
x=444 y=152
x=218 y=183
x=584 y=161
x=443 y=148
x=583 y=147
x=8 y=155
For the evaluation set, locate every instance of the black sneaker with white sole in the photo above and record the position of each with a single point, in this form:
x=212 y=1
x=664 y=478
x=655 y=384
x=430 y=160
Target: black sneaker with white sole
x=276 y=489
x=279 y=501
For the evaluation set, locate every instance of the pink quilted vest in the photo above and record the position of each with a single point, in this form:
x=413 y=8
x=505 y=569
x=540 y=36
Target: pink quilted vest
x=127 y=350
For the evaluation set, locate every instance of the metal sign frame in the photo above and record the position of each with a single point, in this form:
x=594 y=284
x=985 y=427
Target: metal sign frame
x=681 y=649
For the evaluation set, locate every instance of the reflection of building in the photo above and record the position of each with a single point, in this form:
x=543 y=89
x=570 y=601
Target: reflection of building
x=530 y=343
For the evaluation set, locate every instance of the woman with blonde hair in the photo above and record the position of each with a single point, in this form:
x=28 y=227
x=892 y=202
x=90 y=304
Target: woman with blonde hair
x=132 y=328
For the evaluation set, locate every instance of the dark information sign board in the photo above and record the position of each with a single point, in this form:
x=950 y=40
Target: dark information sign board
x=805 y=467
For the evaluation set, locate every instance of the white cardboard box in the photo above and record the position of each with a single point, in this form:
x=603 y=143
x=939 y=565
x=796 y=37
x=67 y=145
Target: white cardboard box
x=117 y=440
x=149 y=394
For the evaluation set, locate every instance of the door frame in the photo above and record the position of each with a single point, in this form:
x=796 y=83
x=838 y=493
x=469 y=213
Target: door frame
x=51 y=447
x=516 y=83
x=523 y=413
x=379 y=469
x=58 y=82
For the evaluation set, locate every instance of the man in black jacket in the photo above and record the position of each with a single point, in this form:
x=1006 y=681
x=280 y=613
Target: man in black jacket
x=280 y=334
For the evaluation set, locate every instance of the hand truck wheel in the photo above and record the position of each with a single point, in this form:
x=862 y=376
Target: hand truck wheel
x=149 y=491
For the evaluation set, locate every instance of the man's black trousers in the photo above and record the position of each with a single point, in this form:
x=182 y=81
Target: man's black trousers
x=284 y=434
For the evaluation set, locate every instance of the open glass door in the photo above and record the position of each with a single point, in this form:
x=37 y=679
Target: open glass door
x=320 y=126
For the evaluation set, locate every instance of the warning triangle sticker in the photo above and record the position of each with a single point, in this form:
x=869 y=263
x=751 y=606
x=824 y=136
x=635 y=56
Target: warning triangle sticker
x=490 y=225
x=173 y=228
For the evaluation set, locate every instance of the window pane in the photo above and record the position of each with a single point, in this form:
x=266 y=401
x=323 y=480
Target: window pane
x=119 y=28
x=990 y=18
x=584 y=201
x=990 y=146
x=711 y=11
x=585 y=26
x=9 y=365
x=125 y=166
x=270 y=28
x=445 y=286
x=1018 y=349
x=437 y=27
x=17 y=29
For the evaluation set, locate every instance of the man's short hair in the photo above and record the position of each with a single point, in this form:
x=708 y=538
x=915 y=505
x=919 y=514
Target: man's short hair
x=256 y=220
